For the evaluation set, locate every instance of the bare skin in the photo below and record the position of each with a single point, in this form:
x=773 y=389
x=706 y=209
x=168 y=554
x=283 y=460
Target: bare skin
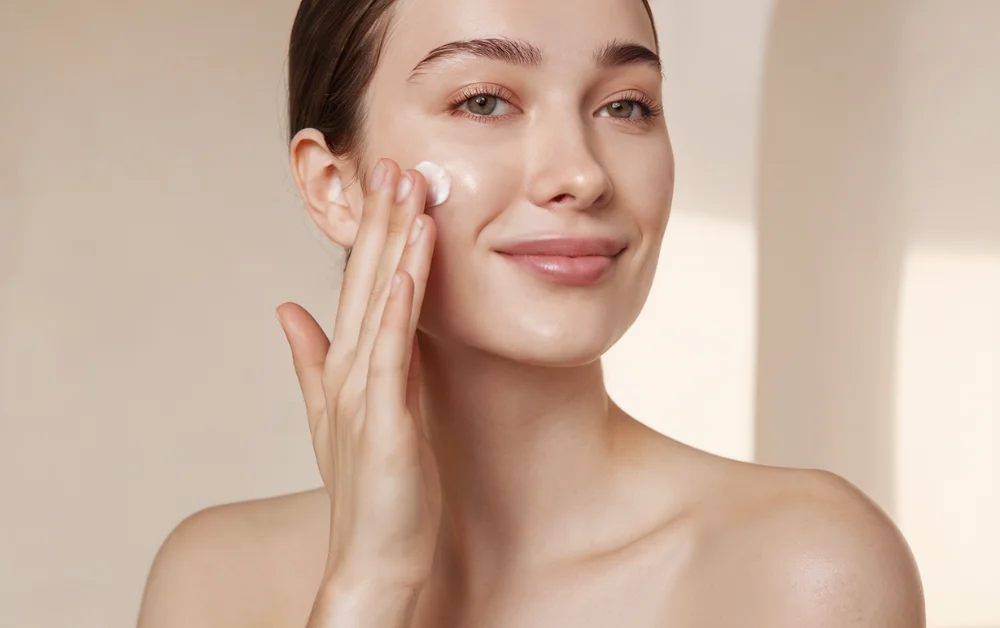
x=547 y=505
x=748 y=546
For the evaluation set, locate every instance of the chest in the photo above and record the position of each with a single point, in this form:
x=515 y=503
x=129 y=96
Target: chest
x=635 y=593
x=655 y=585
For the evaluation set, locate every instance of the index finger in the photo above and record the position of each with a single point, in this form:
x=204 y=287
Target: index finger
x=359 y=277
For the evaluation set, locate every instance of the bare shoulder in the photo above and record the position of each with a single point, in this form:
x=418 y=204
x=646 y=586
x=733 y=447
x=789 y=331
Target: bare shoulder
x=245 y=563
x=818 y=550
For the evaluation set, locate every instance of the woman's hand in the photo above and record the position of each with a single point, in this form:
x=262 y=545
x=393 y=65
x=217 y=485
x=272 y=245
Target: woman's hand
x=362 y=398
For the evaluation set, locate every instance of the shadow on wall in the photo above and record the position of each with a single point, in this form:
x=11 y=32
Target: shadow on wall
x=831 y=241
x=879 y=234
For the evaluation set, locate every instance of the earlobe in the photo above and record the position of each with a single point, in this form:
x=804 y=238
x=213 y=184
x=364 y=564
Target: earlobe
x=319 y=176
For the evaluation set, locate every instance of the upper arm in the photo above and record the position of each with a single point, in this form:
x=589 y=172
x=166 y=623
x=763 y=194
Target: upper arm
x=844 y=563
x=191 y=574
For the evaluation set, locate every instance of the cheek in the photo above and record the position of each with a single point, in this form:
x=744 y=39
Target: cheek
x=645 y=188
x=483 y=186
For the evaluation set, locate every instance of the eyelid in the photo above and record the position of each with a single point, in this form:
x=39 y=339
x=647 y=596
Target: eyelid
x=634 y=95
x=482 y=89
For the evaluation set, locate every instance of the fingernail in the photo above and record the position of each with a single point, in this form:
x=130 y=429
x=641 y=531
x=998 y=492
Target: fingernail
x=378 y=176
x=405 y=185
x=418 y=225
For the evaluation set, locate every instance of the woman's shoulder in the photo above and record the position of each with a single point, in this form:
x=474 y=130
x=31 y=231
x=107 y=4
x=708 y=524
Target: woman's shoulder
x=813 y=544
x=228 y=564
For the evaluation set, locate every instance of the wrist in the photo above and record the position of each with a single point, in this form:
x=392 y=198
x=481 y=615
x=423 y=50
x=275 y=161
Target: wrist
x=360 y=575
x=346 y=597
x=364 y=584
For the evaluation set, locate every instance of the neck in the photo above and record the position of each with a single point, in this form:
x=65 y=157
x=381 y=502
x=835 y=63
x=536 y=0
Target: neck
x=522 y=452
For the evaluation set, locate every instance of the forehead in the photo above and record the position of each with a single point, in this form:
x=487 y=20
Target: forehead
x=566 y=31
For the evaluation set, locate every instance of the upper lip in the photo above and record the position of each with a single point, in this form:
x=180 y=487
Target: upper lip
x=564 y=246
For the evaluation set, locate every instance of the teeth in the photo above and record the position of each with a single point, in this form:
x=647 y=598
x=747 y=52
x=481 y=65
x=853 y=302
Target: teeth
x=438 y=182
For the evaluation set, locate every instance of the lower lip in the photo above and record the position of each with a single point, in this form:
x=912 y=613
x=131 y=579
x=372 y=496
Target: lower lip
x=568 y=271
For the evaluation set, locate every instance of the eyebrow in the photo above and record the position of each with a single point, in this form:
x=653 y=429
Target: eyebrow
x=614 y=54
x=617 y=54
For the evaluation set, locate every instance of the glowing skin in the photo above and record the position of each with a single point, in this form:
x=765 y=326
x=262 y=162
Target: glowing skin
x=548 y=163
x=538 y=466
x=559 y=509
x=547 y=160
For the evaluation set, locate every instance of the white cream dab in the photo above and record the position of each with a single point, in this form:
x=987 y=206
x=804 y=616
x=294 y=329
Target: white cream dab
x=438 y=182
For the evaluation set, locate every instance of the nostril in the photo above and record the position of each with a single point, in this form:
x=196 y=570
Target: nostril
x=561 y=198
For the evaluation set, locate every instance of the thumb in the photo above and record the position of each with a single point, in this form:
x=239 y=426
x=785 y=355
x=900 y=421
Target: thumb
x=309 y=346
x=413 y=388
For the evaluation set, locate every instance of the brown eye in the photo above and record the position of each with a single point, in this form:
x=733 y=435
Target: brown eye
x=621 y=109
x=482 y=105
x=485 y=106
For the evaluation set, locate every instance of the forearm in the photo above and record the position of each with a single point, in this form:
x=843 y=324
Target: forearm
x=363 y=604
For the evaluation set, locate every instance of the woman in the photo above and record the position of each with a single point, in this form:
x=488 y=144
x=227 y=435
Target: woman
x=476 y=472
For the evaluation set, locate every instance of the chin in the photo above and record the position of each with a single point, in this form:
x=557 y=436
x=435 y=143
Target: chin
x=557 y=339
x=553 y=356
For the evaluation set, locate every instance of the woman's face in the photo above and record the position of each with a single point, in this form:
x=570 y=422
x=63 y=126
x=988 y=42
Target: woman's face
x=536 y=149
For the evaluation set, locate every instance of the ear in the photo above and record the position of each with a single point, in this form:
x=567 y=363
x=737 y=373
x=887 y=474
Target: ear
x=321 y=179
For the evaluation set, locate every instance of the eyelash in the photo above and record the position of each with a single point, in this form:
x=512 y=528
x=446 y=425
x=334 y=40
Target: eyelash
x=650 y=109
x=474 y=91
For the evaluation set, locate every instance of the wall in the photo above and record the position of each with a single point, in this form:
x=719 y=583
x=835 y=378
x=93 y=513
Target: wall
x=828 y=294
x=142 y=373
x=879 y=277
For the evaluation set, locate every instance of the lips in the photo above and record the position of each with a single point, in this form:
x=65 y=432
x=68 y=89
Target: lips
x=564 y=247
x=566 y=261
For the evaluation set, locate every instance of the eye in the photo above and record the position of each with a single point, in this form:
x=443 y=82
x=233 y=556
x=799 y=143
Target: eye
x=633 y=108
x=485 y=105
x=624 y=109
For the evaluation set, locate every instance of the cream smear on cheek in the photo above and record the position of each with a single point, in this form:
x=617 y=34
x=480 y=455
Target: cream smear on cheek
x=438 y=182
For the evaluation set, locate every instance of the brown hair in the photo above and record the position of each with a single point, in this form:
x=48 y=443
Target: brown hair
x=334 y=50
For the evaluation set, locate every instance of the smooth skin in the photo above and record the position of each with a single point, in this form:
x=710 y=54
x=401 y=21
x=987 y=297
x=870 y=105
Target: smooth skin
x=475 y=471
x=749 y=546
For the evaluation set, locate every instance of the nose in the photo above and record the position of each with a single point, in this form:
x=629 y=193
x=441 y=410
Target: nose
x=564 y=171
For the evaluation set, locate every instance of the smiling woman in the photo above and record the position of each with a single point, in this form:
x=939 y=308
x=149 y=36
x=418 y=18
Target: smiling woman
x=475 y=470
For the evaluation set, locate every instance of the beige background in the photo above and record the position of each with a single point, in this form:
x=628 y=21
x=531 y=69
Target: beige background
x=829 y=292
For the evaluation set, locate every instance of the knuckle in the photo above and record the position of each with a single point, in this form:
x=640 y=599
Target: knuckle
x=396 y=227
x=381 y=367
x=383 y=354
